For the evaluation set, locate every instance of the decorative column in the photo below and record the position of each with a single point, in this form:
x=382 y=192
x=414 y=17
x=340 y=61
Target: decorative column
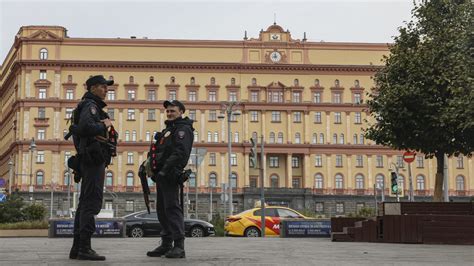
x=289 y=171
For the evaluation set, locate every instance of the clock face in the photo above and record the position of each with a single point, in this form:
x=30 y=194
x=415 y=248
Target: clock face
x=275 y=37
x=275 y=56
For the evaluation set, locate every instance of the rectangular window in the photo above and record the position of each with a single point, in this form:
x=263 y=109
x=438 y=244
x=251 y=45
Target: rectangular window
x=317 y=117
x=338 y=160
x=232 y=96
x=192 y=114
x=253 y=182
x=40 y=156
x=359 y=206
x=297 y=117
x=111 y=95
x=129 y=206
x=400 y=162
x=460 y=162
x=337 y=118
x=131 y=114
x=69 y=94
x=212 y=158
x=274 y=162
x=319 y=207
x=212 y=115
x=233 y=159
x=357 y=118
x=318 y=160
x=172 y=95
x=151 y=95
x=253 y=116
x=340 y=207
x=296 y=182
x=295 y=162
x=108 y=205
x=276 y=116
x=254 y=96
x=41 y=113
x=379 y=161
x=296 y=97
x=212 y=96
x=419 y=161
x=317 y=97
x=42 y=74
x=336 y=97
x=130 y=158
x=359 y=161
x=111 y=113
x=357 y=98
x=41 y=134
x=42 y=93
x=151 y=114
x=69 y=112
x=192 y=96
x=131 y=95
x=275 y=96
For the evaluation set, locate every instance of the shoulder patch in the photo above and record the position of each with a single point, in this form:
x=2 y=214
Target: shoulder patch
x=93 y=110
x=181 y=134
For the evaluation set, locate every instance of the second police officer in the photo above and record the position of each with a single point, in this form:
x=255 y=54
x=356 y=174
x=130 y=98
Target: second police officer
x=90 y=125
x=173 y=148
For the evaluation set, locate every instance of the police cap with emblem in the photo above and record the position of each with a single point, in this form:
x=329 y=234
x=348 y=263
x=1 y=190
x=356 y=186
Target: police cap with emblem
x=174 y=103
x=99 y=79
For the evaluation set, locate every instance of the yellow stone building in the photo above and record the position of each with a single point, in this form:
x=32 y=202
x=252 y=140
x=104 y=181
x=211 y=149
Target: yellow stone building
x=305 y=98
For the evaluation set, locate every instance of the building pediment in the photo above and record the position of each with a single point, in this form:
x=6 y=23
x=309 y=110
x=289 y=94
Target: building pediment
x=276 y=85
x=44 y=34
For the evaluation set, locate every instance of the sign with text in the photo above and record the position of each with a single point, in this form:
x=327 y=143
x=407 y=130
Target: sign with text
x=305 y=228
x=103 y=228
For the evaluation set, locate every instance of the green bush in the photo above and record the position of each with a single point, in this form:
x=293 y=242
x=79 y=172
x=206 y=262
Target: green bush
x=25 y=225
x=364 y=212
x=218 y=223
x=35 y=212
x=15 y=210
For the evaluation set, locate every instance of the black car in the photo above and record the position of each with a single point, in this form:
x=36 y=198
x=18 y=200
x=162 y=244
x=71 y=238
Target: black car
x=140 y=224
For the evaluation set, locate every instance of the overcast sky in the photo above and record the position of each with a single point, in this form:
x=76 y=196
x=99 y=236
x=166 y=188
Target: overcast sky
x=331 y=21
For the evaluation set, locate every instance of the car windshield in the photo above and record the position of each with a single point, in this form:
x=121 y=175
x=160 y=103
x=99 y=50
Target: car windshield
x=284 y=213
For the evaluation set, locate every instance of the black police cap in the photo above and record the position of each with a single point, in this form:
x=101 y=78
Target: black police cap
x=96 y=80
x=175 y=103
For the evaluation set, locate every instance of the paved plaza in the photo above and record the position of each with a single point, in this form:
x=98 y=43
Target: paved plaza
x=237 y=251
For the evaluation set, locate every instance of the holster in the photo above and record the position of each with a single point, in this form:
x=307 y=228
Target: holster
x=74 y=163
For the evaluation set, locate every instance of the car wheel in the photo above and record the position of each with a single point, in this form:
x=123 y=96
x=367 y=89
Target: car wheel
x=197 y=231
x=137 y=232
x=252 y=232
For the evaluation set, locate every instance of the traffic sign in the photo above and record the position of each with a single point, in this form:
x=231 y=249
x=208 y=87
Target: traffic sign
x=409 y=156
x=3 y=197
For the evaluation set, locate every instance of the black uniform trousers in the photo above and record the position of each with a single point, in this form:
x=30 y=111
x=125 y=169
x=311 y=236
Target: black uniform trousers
x=168 y=208
x=90 y=199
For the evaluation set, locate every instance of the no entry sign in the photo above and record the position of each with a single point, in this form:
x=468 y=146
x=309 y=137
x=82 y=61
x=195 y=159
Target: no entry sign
x=409 y=156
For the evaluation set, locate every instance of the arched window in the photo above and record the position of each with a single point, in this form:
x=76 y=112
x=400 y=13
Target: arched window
x=148 y=136
x=361 y=141
x=336 y=83
x=298 y=138
x=43 y=54
x=232 y=81
x=109 y=179
x=316 y=82
x=66 y=178
x=236 y=137
x=129 y=179
x=216 y=136
x=359 y=181
x=273 y=181
x=339 y=181
x=334 y=138
x=134 y=135
x=212 y=180
x=233 y=180
x=272 y=137
x=354 y=141
x=356 y=83
x=192 y=81
x=420 y=182
x=315 y=138
x=213 y=81
x=172 y=80
x=379 y=181
x=209 y=136
x=127 y=135
x=321 y=138
x=131 y=79
x=192 y=180
x=254 y=81
x=296 y=82
x=39 y=178
x=280 y=138
x=341 y=139
x=318 y=181
x=152 y=79
x=460 y=183
x=401 y=182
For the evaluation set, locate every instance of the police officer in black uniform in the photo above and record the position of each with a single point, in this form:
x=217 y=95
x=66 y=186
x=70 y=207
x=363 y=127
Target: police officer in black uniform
x=94 y=154
x=173 y=146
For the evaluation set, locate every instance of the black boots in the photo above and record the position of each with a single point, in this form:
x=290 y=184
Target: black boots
x=177 y=251
x=75 y=248
x=166 y=245
x=86 y=252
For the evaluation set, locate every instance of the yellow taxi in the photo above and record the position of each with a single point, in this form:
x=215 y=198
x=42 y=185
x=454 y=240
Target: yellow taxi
x=248 y=223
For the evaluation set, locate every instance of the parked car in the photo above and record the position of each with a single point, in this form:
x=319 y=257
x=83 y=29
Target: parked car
x=247 y=223
x=140 y=224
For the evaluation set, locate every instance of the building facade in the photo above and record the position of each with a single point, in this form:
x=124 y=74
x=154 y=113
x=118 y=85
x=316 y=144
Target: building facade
x=305 y=98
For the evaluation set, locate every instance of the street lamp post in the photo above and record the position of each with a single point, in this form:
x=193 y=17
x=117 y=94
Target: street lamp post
x=229 y=112
x=32 y=149
x=10 y=168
